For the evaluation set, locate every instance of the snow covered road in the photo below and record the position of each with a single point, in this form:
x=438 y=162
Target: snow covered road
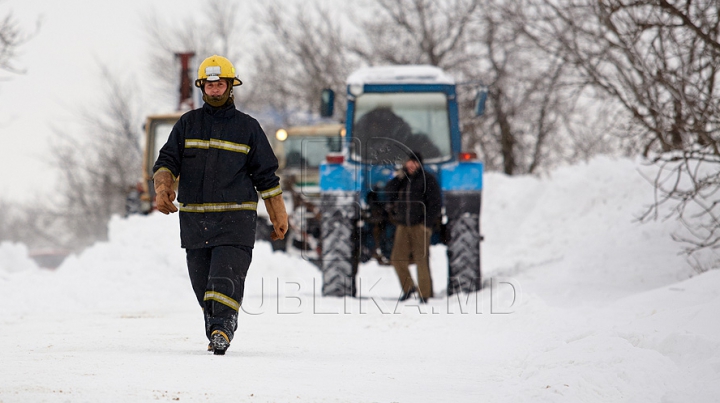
x=586 y=306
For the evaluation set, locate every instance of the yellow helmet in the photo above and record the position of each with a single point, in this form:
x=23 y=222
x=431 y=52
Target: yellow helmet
x=214 y=68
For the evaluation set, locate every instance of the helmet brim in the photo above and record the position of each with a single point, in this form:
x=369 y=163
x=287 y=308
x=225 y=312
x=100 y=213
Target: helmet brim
x=200 y=81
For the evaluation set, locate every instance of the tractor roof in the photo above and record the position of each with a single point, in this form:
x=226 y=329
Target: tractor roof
x=411 y=74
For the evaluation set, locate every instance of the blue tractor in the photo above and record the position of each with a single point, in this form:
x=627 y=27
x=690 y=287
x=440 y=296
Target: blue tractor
x=392 y=112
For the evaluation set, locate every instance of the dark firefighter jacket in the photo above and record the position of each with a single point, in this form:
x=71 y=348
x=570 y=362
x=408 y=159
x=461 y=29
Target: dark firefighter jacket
x=223 y=159
x=414 y=199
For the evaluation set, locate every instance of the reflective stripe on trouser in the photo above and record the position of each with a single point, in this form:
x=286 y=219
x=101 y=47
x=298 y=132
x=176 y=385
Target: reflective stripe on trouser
x=413 y=242
x=218 y=276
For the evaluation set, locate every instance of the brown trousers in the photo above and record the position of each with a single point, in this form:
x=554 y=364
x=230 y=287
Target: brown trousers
x=413 y=244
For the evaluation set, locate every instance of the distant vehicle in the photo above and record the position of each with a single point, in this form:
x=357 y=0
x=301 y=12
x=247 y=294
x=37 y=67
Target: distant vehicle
x=391 y=112
x=141 y=199
x=49 y=258
x=300 y=150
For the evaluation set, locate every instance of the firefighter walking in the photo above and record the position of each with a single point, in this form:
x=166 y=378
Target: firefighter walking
x=221 y=159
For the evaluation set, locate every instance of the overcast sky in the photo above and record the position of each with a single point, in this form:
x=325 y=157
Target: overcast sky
x=62 y=76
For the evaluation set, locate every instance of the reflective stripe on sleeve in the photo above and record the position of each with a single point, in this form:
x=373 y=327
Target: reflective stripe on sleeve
x=219 y=144
x=222 y=298
x=217 y=207
x=266 y=194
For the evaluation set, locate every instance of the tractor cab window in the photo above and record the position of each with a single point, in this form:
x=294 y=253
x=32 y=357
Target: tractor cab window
x=309 y=152
x=387 y=126
x=159 y=133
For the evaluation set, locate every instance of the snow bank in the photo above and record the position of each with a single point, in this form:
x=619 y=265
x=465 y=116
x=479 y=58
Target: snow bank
x=14 y=258
x=582 y=303
x=576 y=233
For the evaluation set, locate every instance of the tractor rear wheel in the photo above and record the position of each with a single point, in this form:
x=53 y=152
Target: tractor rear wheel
x=339 y=212
x=463 y=243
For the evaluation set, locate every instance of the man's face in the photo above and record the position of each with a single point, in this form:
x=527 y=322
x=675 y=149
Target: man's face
x=411 y=166
x=215 y=89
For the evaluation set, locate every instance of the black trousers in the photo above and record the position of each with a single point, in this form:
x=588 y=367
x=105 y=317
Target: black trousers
x=218 y=276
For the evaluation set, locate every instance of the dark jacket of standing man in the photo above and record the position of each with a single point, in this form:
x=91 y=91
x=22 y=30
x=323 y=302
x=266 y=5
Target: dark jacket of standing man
x=415 y=205
x=222 y=159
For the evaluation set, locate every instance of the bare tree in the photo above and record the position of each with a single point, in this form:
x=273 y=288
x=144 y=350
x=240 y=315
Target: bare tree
x=659 y=61
x=98 y=166
x=532 y=122
x=19 y=223
x=31 y=225
x=419 y=32
x=303 y=52
x=8 y=220
x=650 y=56
x=526 y=96
x=12 y=37
x=483 y=42
x=214 y=31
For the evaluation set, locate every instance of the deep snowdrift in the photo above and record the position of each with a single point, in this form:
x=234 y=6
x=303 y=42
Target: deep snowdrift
x=582 y=304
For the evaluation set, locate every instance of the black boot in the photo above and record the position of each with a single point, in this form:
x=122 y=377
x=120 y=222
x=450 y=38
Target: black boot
x=219 y=342
x=220 y=332
x=405 y=295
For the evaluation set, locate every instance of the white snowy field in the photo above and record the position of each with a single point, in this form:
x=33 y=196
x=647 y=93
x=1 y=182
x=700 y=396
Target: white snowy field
x=581 y=304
